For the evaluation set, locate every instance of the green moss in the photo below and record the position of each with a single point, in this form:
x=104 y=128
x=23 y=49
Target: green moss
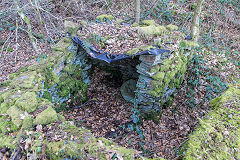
x=27 y=102
x=47 y=96
x=232 y=93
x=7 y=141
x=27 y=123
x=135 y=24
x=71 y=27
x=1 y=99
x=62 y=46
x=104 y=17
x=24 y=69
x=13 y=75
x=3 y=108
x=84 y=23
x=24 y=80
x=217 y=136
x=155 y=69
x=133 y=51
x=119 y=21
x=159 y=76
x=50 y=77
x=148 y=22
x=58 y=150
x=151 y=30
x=164 y=68
x=10 y=96
x=171 y=74
x=4 y=83
x=153 y=93
x=166 y=81
x=15 y=114
x=190 y=44
x=156 y=84
x=171 y=27
x=146 y=47
x=6 y=125
x=141 y=48
x=49 y=115
x=161 y=30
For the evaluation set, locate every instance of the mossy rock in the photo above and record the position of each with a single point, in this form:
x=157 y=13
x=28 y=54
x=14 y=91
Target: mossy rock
x=7 y=141
x=62 y=46
x=139 y=49
x=232 y=94
x=148 y=22
x=135 y=24
x=159 y=76
x=132 y=51
x=25 y=80
x=10 y=96
x=156 y=68
x=3 y=108
x=71 y=27
x=171 y=27
x=104 y=17
x=15 y=114
x=149 y=31
x=218 y=135
x=6 y=125
x=48 y=116
x=27 y=123
x=27 y=102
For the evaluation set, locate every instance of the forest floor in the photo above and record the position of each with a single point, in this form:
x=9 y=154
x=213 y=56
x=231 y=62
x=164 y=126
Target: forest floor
x=108 y=112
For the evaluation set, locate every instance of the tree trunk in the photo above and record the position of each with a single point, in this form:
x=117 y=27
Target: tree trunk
x=137 y=16
x=195 y=23
x=28 y=22
x=37 y=11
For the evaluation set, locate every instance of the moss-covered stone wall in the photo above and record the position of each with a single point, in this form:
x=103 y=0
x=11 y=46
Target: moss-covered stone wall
x=218 y=134
x=28 y=103
x=161 y=74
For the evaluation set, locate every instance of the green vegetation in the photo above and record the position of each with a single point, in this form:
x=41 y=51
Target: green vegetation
x=217 y=136
x=104 y=17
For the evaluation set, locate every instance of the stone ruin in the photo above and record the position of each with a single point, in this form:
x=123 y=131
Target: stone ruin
x=151 y=73
x=30 y=98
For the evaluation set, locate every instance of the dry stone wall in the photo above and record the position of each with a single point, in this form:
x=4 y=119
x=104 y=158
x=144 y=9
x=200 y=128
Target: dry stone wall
x=160 y=76
x=28 y=103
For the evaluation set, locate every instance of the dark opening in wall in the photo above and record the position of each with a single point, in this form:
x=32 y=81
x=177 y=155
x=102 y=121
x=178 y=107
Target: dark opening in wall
x=121 y=74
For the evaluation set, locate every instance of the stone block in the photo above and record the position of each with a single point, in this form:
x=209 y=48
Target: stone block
x=151 y=59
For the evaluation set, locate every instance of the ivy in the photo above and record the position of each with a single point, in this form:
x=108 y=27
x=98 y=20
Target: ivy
x=201 y=76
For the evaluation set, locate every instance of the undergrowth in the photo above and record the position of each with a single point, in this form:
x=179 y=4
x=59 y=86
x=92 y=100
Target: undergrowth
x=202 y=76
